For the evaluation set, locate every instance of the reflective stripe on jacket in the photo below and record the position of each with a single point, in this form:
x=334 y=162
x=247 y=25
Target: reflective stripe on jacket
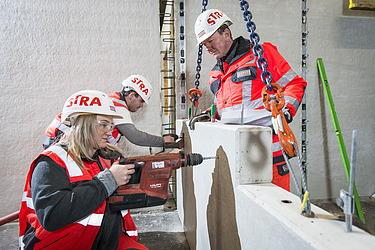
x=78 y=235
x=116 y=134
x=54 y=132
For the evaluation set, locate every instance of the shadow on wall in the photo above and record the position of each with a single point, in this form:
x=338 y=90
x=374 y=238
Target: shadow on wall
x=189 y=201
x=254 y=152
x=221 y=209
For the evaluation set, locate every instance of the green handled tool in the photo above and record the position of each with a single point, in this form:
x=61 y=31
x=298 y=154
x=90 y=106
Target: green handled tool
x=213 y=112
x=189 y=113
x=340 y=139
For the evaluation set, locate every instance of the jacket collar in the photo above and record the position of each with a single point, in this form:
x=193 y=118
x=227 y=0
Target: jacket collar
x=240 y=47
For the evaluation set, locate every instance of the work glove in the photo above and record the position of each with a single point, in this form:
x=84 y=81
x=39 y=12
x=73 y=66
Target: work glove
x=288 y=116
x=202 y=117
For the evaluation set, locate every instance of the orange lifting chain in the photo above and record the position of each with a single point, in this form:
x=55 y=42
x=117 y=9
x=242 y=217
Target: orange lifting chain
x=192 y=97
x=275 y=103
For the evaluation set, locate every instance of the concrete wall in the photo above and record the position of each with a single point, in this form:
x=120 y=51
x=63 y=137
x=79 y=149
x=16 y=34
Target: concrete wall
x=346 y=43
x=51 y=49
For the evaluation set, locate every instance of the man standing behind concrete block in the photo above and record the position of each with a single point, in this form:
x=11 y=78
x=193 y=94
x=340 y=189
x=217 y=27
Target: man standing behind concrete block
x=236 y=82
x=136 y=91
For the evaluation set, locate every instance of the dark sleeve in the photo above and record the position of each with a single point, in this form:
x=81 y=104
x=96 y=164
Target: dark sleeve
x=57 y=203
x=140 y=138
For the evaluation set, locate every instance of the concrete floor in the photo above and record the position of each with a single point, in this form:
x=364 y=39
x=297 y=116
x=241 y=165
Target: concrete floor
x=160 y=227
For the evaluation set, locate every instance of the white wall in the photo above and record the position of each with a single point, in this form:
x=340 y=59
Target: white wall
x=51 y=49
x=347 y=46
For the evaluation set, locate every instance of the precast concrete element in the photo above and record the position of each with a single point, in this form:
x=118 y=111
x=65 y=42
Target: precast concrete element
x=207 y=194
x=230 y=203
x=273 y=221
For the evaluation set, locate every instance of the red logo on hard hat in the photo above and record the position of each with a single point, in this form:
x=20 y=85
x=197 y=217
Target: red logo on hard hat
x=213 y=16
x=140 y=84
x=201 y=33
x=81 y=100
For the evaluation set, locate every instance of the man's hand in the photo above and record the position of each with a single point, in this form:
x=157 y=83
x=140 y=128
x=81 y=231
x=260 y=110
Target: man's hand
x=122 y=173
x=170 y=138
x=202 y=117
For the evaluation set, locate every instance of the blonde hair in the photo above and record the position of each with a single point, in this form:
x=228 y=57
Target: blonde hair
x=81 y=136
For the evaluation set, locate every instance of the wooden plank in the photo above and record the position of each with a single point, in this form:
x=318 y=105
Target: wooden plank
x=362 y=5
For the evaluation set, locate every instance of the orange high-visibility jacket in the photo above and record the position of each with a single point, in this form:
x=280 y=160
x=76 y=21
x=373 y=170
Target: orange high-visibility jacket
x=237 y=84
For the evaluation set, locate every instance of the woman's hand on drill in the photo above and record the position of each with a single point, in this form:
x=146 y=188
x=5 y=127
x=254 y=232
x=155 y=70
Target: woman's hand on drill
x=122 y=173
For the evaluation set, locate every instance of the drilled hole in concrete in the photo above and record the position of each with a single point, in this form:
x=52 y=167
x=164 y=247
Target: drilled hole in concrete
x=286 y=201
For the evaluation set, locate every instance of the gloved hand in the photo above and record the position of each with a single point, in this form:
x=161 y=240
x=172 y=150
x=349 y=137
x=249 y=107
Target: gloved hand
x=288 y=116
x=202 y=117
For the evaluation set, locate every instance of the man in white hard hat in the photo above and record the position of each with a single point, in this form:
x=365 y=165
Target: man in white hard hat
x=136 y=91
x=236 y=81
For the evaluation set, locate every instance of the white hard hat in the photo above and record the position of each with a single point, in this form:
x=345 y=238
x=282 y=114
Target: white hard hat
x=208 y=22
x=140 y=85
x=89 y=101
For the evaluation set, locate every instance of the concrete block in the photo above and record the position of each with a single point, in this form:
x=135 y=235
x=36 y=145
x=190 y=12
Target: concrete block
x=249 y=148
x=273 y=221
x=207 y=191
x=220 y=207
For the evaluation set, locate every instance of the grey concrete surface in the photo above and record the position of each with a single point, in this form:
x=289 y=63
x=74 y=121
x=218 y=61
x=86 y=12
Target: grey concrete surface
x=160 y=230
x=9 y=236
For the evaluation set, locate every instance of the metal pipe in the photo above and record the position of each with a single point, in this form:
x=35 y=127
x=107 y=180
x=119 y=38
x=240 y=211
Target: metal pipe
x=349 y=214
x=9 y=218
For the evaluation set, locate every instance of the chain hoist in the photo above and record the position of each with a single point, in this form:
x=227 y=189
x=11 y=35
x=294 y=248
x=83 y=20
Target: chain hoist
x=274 y=103
x=195 y=93
x=262 y=64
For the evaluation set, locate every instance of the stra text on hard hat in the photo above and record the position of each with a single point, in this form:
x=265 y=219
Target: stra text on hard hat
x=81 y=100
x=89 y=101
x=208 y=22
x=140 y=85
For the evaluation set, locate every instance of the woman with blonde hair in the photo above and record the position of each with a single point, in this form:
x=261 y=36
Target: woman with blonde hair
x=64 y=205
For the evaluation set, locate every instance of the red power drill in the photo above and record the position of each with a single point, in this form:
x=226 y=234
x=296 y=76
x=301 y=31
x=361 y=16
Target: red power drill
x=148 y=185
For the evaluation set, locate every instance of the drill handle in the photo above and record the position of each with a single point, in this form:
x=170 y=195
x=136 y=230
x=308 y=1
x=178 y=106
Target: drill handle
x=138 y=166
x=122 y=160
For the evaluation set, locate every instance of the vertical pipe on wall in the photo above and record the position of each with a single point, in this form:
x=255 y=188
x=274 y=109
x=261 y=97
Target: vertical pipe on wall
x=303 y=103
x=168 y=95
x=181 y=25
x=168 y=88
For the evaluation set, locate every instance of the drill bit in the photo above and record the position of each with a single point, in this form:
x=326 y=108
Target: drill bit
x=211 y=157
